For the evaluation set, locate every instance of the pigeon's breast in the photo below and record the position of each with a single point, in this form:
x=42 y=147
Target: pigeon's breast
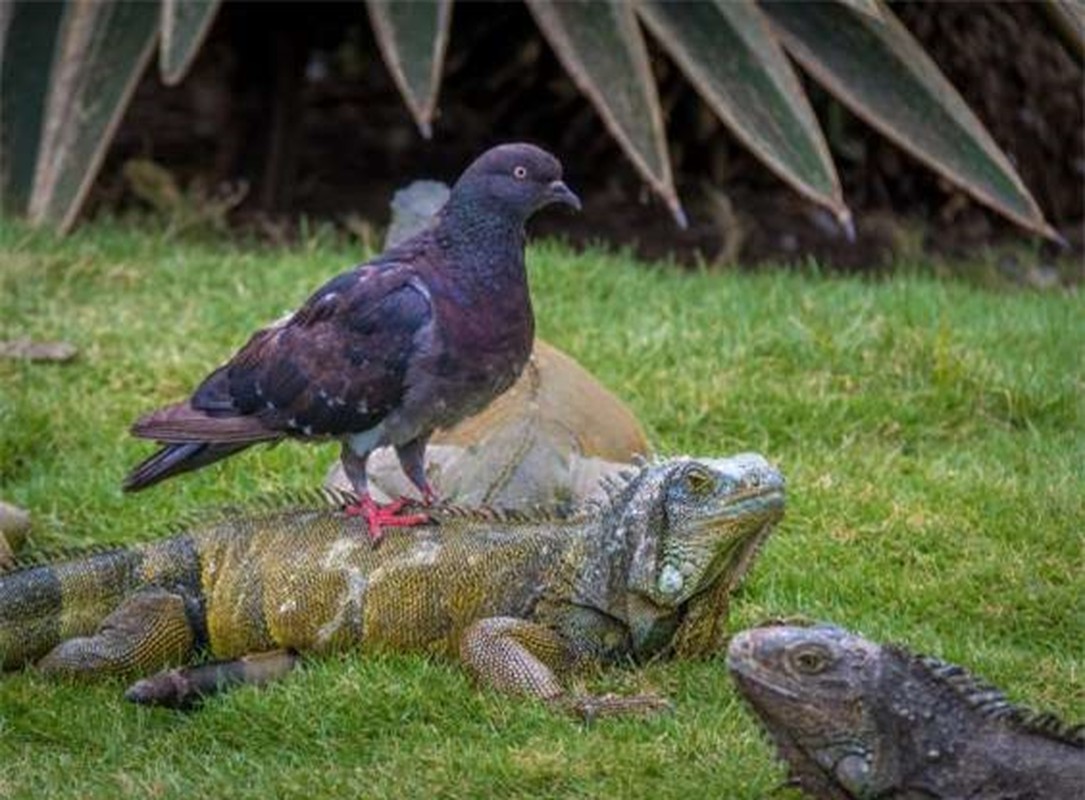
x=470 y=357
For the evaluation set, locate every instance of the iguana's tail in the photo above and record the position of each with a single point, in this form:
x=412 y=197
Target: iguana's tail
x=43 y=605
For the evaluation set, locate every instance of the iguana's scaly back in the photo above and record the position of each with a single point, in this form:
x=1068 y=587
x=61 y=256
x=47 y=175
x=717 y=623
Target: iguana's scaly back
x=265 y=577
x=311 y=581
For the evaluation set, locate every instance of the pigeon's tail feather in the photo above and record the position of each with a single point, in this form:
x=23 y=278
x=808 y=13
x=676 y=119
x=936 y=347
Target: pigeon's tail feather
x=173 y=459
x=183 y=424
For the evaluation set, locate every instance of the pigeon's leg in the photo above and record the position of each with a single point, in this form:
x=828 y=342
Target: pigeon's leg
x=376 y=516
x=412 y=460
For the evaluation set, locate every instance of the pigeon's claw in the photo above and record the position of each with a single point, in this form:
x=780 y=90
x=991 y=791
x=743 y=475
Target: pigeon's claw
x=378 y=517
x=429 y=497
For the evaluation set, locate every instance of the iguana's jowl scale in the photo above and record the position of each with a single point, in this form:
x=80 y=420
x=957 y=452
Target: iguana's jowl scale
x=519 y=599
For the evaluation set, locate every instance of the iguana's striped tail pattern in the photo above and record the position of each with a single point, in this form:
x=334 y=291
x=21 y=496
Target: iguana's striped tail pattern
x=44 y=605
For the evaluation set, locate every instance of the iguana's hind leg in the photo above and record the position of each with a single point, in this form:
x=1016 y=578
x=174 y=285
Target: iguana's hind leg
x=185 y=687
x=146 y=632
x=520 y=657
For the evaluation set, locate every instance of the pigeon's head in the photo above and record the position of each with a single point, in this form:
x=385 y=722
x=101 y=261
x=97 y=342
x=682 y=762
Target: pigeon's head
x=513 y=179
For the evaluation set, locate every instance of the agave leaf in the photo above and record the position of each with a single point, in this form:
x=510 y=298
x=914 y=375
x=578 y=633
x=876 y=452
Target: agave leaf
x=727 y=51
x=870 y=7
x=1069 y=19
x=28 y=31
x=412 y=38
x=884 y=76
x=601 y=47
x=101 y=50
x=185 y=23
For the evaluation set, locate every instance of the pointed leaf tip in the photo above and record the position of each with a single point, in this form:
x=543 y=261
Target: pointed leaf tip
x=847 y=225
x=184 y=26
x=728 y=52
x=602 y=49
x=878 y=70
x=412 y=38
x=680 y=218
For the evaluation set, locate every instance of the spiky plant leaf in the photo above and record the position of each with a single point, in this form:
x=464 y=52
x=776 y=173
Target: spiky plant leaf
x=884 y=76
x=1069 y=19
x=727 y=51
x=185 y=23
x=870 y=7
x=412 y=38
x=102 y=47
x=601 y=48
x=27 y=34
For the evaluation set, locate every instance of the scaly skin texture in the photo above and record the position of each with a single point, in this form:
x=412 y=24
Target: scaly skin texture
x=854 y=719
x=520 y=600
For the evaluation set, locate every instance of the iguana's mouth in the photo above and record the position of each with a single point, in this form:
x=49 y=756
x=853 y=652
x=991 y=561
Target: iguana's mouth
x=738 y=548
x=771 y=497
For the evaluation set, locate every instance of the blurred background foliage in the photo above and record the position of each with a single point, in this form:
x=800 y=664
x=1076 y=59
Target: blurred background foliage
x=773 y=128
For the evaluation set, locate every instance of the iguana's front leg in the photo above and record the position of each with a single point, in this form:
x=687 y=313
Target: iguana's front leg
x=146 y=632
x=519 y=657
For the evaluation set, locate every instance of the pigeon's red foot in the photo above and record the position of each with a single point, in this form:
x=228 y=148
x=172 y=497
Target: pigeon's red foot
x=378 y=517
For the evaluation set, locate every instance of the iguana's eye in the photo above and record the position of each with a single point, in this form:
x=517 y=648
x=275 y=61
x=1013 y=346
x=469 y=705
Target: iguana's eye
x=810 y=660
x=519 y=172
x=698 y=481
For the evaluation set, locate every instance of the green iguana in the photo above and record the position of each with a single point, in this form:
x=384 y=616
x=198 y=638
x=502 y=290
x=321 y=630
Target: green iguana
x=520 y=599
x=854 y=719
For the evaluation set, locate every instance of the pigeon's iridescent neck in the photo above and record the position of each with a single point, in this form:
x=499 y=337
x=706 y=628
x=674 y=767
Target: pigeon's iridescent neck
x=490 y=242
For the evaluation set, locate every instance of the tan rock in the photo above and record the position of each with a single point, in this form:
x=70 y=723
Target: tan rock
x=549 y=439
x=14 y=525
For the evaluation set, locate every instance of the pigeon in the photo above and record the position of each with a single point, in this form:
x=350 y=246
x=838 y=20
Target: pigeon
x=420 y=337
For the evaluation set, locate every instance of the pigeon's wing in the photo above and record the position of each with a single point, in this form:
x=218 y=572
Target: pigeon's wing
x=336 y=366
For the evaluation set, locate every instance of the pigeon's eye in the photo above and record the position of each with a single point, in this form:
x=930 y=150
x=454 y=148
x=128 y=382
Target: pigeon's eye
x=519 y=172
x=810 y=660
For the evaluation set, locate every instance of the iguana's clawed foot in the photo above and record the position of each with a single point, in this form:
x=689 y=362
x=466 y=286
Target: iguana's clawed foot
x=590 y=707
x=378 y=517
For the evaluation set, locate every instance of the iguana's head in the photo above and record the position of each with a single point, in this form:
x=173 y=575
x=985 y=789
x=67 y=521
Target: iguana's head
x=691 y=526
x=856 y=719
x=811 y=687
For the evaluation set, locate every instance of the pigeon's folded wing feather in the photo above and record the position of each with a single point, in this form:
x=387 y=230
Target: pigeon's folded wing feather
x=337 y=366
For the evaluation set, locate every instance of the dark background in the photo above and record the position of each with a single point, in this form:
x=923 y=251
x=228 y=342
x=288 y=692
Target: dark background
x=294 y=99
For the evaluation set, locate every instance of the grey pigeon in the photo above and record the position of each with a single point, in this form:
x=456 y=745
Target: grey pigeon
x=419 y=338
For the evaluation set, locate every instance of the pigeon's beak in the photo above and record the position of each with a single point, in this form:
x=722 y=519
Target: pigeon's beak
x=558 y=192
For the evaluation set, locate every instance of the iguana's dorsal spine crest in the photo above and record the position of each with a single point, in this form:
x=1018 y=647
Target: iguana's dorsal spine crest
x=54 y=555
x=527 y=516
x=990 y=701
x=305 y=500
x=618 y=487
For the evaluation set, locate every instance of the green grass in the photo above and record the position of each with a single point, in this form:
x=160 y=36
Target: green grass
x=932 y=435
